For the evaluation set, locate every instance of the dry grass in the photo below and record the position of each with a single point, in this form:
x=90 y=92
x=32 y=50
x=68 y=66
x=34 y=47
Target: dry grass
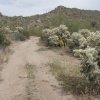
x=0 y=73
x=30 y=71
x=4 y=55
x=42 y=49
x=30 y=82
x=72 y=81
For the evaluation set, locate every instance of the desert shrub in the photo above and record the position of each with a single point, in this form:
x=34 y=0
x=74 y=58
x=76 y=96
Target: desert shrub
x=7 y=41
x=19 y=29
x=90 y=70
x=53 y=40
x=82 y=43
x=61 y=30
x=89 y=66
x=93 y=38
x=35 y=31
x=57 y=36
x=84 y=32
x=70 y=44
x=78 y=85
x=45 y=34
x=85 y=45
x=4 y=41
x=18 y=36
x=60 y=43
x=77 y=41
x=7 y=30
x=83 y=38
x=71 y=83
x=26 y=33
x=75 y=38
x=21 y=34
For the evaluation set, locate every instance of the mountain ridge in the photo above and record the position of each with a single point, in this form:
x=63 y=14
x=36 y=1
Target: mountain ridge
x=74 y=18
x=58 y=7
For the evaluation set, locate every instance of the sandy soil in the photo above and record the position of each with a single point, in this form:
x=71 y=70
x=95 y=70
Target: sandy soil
x=14 y=74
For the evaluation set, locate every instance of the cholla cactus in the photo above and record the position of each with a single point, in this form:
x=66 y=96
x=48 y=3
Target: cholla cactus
x=63 y=28
x=53 y=40
x=45 y=34
x=75 y=37
x=82 y=43
x=93 y=38
x=20 y=34
x=7 y=30
x=87 y=44
x=77 y=41
x=89 y=66
x=60 y=33
x=85 y=32
x=19 y=29
x=85 y=38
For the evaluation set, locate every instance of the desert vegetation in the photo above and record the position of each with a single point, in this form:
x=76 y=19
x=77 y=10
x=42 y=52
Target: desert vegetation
x=7 y=35
x=84 y=44
x=4 y=40
x=74 y=18
x=73 y=35
x=57 y=36
x=20 y=34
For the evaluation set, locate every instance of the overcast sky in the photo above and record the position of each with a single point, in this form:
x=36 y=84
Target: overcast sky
x=32 y=7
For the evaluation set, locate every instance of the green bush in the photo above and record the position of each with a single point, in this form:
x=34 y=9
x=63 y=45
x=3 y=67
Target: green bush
x=4 y=41
x=26 y=33
x=61 y=43
x=21 y=34
x=36 y=31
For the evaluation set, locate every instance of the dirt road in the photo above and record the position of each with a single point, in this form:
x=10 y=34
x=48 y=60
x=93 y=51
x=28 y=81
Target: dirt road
x=17 y=86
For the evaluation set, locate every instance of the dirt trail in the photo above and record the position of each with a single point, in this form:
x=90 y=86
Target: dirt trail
x=14 y=75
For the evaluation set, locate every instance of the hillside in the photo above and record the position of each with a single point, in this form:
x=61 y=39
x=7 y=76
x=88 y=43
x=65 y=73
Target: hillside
x=72 y=17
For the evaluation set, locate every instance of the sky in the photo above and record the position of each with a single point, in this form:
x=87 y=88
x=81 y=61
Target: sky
x=32 y=7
